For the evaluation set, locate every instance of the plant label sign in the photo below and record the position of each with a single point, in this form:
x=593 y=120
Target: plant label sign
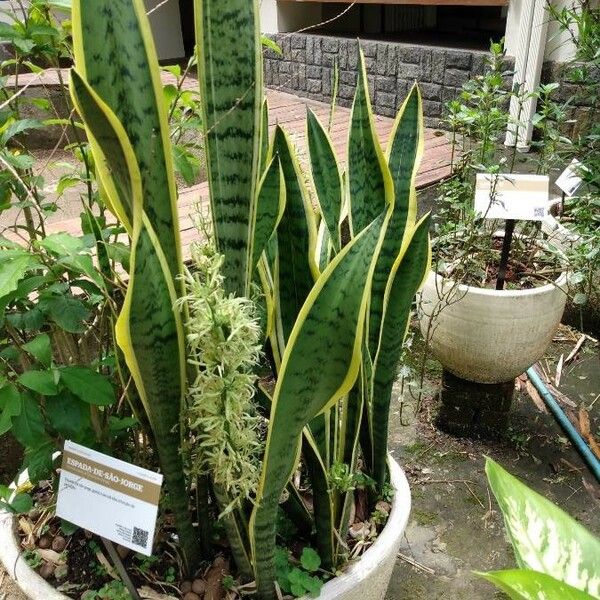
x=569 y=180
x=517 y=197
x=112 y=498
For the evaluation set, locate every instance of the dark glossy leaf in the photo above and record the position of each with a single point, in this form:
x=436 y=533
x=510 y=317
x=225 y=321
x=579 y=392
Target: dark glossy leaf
x=28 y=425
x=88 y=385
x=41 y=382
x=10 y=406
x=40 y=348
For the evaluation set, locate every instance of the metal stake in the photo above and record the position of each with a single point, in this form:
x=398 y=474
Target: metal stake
x=118 y=563
x=506 y=244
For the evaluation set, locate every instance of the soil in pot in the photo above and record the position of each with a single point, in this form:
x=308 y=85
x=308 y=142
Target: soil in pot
x=531 y=264
x=78 y=565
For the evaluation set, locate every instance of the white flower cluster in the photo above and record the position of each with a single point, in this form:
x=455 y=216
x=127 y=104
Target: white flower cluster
x=224 y=344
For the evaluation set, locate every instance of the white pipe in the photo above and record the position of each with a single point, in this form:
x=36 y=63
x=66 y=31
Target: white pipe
x=529 y=59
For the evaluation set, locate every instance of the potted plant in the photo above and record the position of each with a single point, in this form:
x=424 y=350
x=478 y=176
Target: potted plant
x=480 y=333
x=299 y=428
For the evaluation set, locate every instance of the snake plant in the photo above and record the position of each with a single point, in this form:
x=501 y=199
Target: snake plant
x=338 y=257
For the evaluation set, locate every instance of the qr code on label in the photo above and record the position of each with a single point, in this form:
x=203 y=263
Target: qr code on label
x=140 y=537
x=539 y=211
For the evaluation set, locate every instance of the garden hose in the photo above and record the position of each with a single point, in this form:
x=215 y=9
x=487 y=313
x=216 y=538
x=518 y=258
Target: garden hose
x=580 y=445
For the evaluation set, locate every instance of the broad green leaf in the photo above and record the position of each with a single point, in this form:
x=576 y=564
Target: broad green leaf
x=185 y=165
x=38 y=459
x=369 y=187
x=320 y=365
x=521 y=584
x=68 y=415
x=62 y=244
x=17 y=127
x=21 y=503
x=407 y=275
x=269 y=208
x=545 y=538
x=326 y=175
x=230 y=75
x=40 y=348
x=10 y=406
x=296 y=236
x=12 y=271
x=42 y=382
x=88 y=385
x=28 y=425
x=67 y=312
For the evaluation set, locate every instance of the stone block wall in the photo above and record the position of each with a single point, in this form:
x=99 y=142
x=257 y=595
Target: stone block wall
x=306 y=68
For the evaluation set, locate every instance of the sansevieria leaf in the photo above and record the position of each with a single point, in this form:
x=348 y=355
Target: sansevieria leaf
x=369 y=187
x=320 y=364
x=407 y=275
x=405 y=152
x=269 y=208
x=130 y=139
x=296 y=234
x=115 y=54
x=545 y=538
x=230 y=73
x=326 y=175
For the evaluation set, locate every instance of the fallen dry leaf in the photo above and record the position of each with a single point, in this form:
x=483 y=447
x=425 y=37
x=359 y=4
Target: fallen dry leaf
x=147 y=593
x=584 y=422
x=51 y=556
x=537 y=399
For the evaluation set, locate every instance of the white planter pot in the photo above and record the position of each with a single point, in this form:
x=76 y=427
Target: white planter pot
x=489 y=336
x=366 y=579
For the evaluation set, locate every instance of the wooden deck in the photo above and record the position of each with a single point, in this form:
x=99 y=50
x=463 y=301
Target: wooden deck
x=290 y=112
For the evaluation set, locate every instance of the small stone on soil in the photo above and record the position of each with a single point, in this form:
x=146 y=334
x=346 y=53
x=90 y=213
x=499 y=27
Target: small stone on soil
x=47 y=570
x=59 y=543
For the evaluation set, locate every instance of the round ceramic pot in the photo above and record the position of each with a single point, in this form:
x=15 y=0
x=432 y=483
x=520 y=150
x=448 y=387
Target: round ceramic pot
x=365 y=579
x=485 y=335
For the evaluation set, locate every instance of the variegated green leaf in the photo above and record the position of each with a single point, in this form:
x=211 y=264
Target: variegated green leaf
x=230 y=74
x=545 y=538
x=296 y=235
x=114 y=154
x=320 y=365
x=521 y=584
x=120 y=97
x=370 y=188
x=269 y=208
x=405 y=155
x=326 y=175
x=322 y=502
x=407 y=275
x=115 y=54
x=150 y=333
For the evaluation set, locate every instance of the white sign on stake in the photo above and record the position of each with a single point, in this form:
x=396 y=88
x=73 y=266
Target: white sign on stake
x=109 y=497
x=510 y=196
x=569 y=180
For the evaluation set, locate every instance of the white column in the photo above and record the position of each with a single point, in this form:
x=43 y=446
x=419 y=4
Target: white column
x=166 y=27
x=268 y=16
x=529 y=59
